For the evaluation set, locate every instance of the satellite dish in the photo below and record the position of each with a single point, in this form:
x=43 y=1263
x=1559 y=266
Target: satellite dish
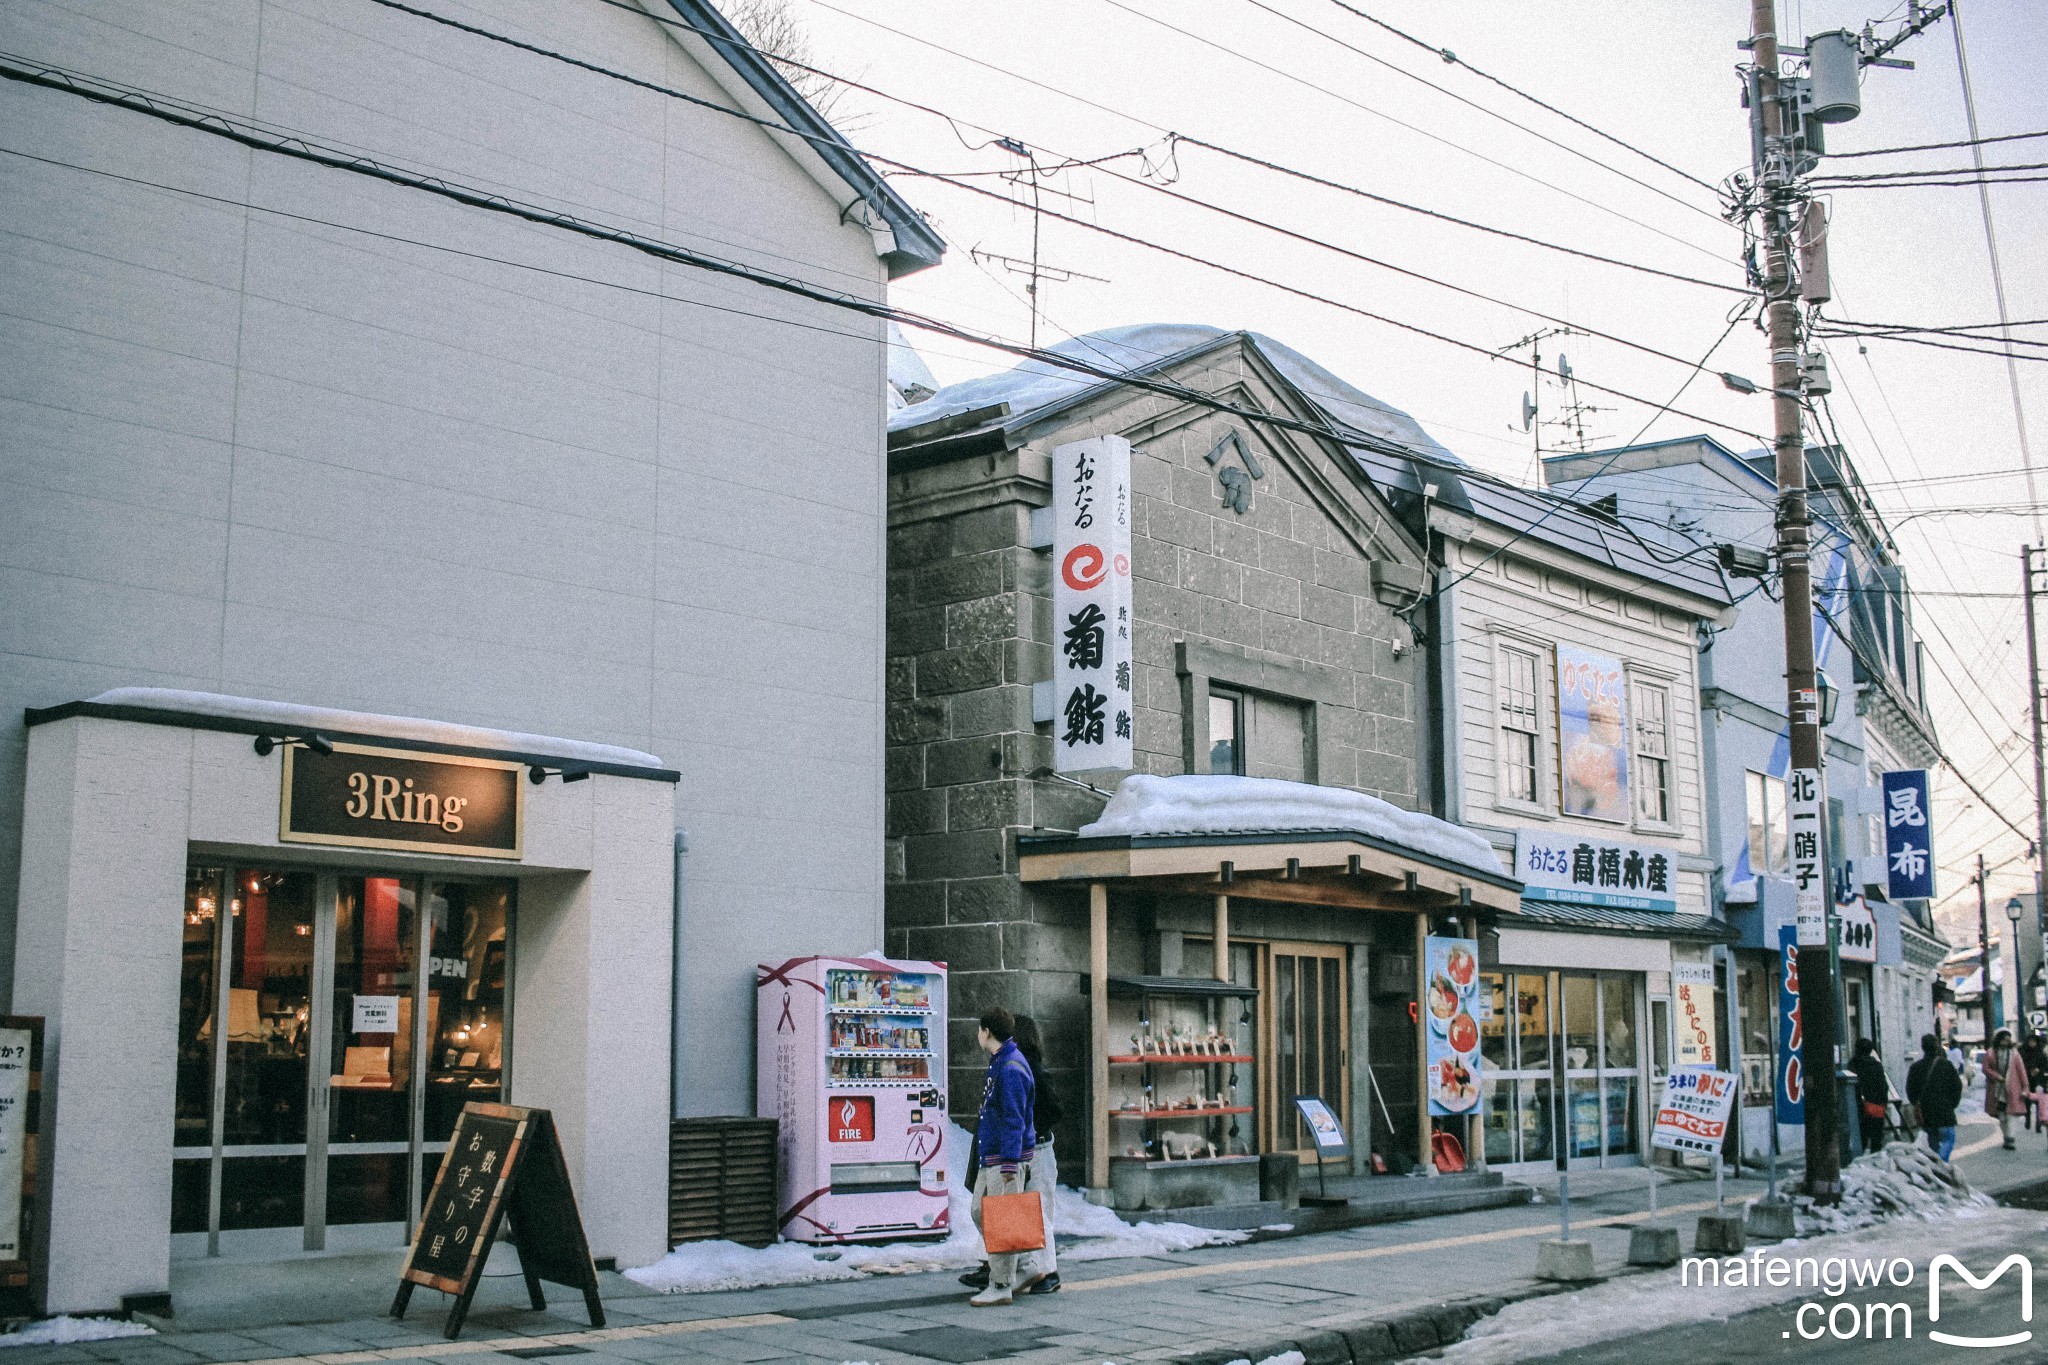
x=1528 y=411
x=1564 y=367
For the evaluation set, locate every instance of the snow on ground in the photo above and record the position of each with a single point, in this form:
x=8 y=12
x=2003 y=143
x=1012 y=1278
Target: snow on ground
x=1902 y=1181
x=1209 y=804
x=1929 y=1225
x=64 y=1330
x=704 y=1267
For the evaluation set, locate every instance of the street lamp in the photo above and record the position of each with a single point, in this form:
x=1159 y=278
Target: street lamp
x=1830 y=696
x=2013 y=911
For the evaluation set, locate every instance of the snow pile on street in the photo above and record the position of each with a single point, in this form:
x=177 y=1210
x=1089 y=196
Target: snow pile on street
x=1902 y=1181
x=708 y=1267
x=64 y=1329
x=1207 y=804
x=1635 y=1304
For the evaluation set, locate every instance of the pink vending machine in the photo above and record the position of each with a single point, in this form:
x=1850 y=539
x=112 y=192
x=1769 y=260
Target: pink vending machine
x=852 y=1062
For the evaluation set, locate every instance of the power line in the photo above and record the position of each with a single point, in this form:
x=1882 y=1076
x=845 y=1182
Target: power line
x=1453 y=58
x=1940 y=146
x=1401 y=123
x=1912 y=340
x=1310 y=178
x=1831 y=180
x=1490 y=113
x=1972 y=182
x=1489 y=353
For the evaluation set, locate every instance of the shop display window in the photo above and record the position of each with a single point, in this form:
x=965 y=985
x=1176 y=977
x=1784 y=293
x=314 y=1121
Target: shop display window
x=1584 y=1026
x=348 y=1019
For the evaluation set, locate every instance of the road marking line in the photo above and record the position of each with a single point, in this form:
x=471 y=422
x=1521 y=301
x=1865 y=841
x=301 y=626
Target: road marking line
x=1363 y=1253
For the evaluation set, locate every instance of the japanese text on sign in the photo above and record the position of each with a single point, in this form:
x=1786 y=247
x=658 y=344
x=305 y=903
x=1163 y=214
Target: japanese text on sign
x=1809 y=866
x=1908 y=836
x=1091 y=604
x=1858 y=942
x=1593 y=871
x=1693 y=1115
x=1693 y=986
x=1791 y=1079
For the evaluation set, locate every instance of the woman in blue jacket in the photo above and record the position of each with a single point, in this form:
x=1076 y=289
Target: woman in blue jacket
x=1006 y=1137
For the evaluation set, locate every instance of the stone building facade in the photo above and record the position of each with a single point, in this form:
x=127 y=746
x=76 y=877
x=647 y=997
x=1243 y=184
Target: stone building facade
x=1269 y=578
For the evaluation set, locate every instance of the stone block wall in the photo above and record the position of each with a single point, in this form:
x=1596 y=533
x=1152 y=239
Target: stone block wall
x=1283 y=598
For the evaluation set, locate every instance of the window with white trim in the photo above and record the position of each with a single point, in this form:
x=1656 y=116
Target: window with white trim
x=1653 y=752
x=1769 y=844
x=1521 y=724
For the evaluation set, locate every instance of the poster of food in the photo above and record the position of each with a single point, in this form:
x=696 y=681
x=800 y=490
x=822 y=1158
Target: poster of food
x=1592 y=732
x=1451 y=1014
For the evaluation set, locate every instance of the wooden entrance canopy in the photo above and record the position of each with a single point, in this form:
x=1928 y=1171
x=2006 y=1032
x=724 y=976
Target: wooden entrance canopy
x=1340 y=869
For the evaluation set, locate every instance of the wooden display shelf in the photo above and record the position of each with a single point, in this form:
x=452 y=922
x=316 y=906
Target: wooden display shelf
x=1179 y=1113
x=1177 y=1058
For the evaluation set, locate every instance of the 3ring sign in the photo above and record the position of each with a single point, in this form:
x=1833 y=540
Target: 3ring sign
x=367 y=797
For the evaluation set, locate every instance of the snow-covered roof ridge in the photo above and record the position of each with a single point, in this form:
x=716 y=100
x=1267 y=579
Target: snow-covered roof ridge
x=294 y=717
x=1037 y=385
x=1210 y=804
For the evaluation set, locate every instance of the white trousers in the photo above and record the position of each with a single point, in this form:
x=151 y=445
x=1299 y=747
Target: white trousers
x=1045 y=1170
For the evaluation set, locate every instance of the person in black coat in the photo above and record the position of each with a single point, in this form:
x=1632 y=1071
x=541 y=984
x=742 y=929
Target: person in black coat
x=1934 y=1090
x=1873 y=1092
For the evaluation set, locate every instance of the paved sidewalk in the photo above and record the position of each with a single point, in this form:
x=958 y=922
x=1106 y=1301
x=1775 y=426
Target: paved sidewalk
x=1386 y=1283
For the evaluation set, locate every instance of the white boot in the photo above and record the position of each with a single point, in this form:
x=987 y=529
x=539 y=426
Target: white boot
x=995 y=1296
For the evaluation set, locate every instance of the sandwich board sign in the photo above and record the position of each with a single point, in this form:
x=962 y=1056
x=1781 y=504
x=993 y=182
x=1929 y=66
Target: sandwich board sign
x=1693 y=1115
x=502 y=1162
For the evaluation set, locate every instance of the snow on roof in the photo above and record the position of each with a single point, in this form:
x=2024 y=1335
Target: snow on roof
x=1198 y=804
x=907 y=370
x=1036 y=385
x=300 y=719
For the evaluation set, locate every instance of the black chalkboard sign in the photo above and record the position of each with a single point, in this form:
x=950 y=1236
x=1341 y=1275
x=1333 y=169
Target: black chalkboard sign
x=503 y=1162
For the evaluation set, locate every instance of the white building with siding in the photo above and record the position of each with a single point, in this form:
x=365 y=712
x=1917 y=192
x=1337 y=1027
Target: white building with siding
x=272 y=431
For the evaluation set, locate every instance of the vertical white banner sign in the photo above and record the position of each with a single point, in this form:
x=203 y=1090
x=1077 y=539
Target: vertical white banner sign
x=1809 y=871
x=1091 y=605
x=1692 y=985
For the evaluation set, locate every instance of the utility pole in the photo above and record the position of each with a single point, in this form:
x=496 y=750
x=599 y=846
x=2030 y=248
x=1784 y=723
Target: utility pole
x=2033 y=571
x=1781 y=205
x=1983 y=950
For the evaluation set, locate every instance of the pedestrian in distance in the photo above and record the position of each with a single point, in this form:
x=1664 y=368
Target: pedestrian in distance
x=2005 y=1085
x=1006 y=1137
x=2034 y=1057
x=1934 y=1090
x=1873 y=1094
x=1040 y=1269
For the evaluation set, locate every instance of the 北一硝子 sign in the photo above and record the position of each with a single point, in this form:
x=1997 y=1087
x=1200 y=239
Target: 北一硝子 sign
x=1093 y=713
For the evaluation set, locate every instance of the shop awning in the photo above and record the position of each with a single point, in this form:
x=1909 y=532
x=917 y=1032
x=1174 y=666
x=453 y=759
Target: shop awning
x=1603 y=919
x=1271 y=840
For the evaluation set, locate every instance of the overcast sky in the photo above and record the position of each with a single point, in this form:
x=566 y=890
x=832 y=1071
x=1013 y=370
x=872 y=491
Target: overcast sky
x=1657 y=73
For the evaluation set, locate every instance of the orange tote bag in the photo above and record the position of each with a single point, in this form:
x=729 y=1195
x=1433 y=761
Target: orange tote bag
x=1012 y=1222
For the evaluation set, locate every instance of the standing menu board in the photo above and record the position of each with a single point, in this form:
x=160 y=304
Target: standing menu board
x=21 y=1073
x=502 y=1161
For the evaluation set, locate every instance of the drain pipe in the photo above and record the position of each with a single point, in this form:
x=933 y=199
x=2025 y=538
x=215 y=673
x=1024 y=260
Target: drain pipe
x=675 y=988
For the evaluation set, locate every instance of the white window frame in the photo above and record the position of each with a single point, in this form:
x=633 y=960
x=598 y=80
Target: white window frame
x=1638 y=684
x=1541 y=802
x=1773 y=815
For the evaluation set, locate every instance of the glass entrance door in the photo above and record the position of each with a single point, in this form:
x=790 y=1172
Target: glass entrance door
x=1308 y=1023
x=307 y=1115
x=1563 y=1057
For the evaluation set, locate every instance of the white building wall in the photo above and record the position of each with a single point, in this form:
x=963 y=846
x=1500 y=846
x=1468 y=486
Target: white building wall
x=599 y=497
x=115 y=807
x=1513 y=599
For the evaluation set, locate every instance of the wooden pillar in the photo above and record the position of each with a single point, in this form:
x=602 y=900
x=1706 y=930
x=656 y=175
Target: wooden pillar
x=1098 y=1034
x=1223 y=938
x=1422 y=1124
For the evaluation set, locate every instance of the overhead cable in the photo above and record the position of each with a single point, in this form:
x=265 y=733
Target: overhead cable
x=1453 y=58
x=1490 y=113
x=1939 y=146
